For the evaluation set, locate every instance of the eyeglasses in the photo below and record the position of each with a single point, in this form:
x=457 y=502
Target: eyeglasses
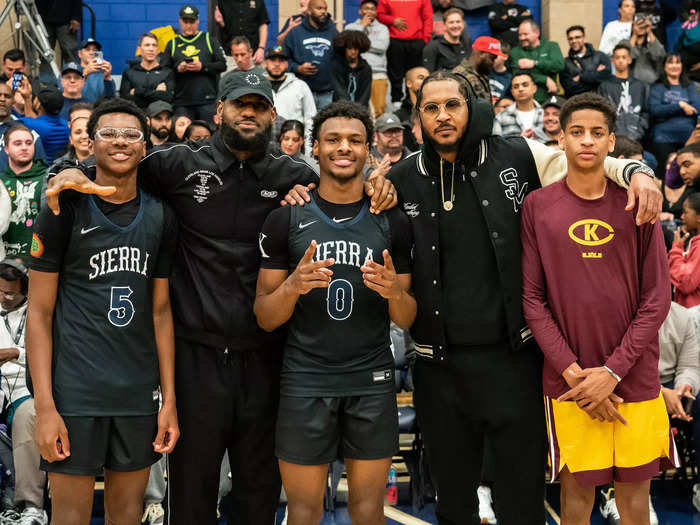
x=131 y=135
x=452 y=107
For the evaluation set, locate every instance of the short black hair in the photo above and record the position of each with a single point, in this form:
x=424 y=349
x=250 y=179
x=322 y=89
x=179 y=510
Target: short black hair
x=683 y=79
x=622 y=45
x=592 y=101
x=14 y=55
x=11 y=274
x=693 y=201
x=342 y=109
x=575 y=28
x=78 y=106
x=625 y=147
x=693 y=149
x=520 y=73
x=436 y=76
x=351 y=40
x=18 y=126
x=116 y=105
x=195 y=124
x=293 y=125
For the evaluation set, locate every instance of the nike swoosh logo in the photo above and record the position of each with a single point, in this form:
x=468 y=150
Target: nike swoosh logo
x=302 y=226
x=88 y=230
x=341 y=220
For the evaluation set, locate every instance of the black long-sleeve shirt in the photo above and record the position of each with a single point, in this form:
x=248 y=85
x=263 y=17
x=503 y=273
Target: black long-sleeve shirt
x=351 y=83
x=59 y=12
x=507 y=28
x=195 y=87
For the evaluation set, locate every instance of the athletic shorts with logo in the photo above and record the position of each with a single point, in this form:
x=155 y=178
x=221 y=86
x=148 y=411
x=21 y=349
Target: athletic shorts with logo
x=598 y=452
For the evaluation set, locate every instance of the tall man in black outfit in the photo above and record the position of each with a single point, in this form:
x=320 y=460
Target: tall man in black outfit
x=227 y=369
x=246 y=18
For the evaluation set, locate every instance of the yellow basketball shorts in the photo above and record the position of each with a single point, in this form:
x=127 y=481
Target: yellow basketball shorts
x=599 y=452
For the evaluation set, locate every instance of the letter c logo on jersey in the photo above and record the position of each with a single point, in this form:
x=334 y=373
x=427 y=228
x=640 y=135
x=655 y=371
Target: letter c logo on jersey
x=591 y=232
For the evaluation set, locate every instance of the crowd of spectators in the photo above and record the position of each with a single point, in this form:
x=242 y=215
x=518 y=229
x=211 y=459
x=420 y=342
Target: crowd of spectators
x=379 y=60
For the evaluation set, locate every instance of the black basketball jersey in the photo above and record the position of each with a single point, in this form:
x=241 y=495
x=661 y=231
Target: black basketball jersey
x=105 y=361
x=338 y=340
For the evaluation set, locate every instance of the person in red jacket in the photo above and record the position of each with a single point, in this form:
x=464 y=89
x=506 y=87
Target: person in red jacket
x=685 y=262
x=410 y=25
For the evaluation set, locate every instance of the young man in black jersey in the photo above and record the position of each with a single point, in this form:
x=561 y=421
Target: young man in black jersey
x=100 y=331
x=319 y=272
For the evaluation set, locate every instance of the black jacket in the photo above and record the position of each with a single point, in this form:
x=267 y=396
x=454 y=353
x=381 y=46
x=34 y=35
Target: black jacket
x=466 y=274
x=440 y=54
x=351 y=83
x=195 y=87
x=221 y=204
x=144 y=83
x=630 y=98
x=507 y=28
x=405 y=115
x=586 y=68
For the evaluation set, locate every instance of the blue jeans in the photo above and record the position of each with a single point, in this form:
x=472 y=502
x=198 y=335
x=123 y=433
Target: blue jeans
x=322 y=99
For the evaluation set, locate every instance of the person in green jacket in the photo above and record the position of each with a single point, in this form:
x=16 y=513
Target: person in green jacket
x=541 y=58
x=24 y=179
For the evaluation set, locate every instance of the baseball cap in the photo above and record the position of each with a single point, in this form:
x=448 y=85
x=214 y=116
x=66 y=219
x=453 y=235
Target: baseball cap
x=238 y=83
x=51 y=99
x=388 y=121
x=158 y=107
x=72 y=66
x=554 y=100
x=489 y=44
x=89 y=41
x=189 y=11
x=277 y=51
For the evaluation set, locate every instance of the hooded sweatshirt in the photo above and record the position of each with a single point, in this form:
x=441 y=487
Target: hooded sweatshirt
x=440 y=54
x=25 y=191
x=418 y=15
x=305 y=43
x=351 y=83
x=379 y=42
x=629 y=96
x=144 y=83
x=684 y=267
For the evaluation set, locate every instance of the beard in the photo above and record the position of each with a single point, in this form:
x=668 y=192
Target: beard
x=276 y=77
x=484 y=68
x=448 y=148
x=160 y=133
x=22 y=164
x=317 y=19
x=234 y=140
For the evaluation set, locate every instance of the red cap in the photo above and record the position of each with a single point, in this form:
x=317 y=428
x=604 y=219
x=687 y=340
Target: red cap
x=489 y=45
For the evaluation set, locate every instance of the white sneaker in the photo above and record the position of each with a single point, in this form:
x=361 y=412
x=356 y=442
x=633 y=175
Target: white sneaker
x=10 y=517
x=33 y=516
x=485 y=505
x=653 y=518
x=154 y=514
x=608 y=509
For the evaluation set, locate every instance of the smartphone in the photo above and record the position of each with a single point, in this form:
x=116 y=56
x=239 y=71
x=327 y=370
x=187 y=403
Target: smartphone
x=188 y=59
x=639 y=17
x=99 y=57
x=16 y=80
x=688 y=405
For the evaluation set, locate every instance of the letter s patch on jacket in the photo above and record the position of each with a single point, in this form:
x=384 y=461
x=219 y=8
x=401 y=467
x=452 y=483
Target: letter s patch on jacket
x=514 y=190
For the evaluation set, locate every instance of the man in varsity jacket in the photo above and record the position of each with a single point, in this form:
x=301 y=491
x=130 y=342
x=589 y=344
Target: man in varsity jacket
x=197 y=59
x=476 y=357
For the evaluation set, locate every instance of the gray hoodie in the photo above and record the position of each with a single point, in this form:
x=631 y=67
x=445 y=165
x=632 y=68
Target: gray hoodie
x=378 y=35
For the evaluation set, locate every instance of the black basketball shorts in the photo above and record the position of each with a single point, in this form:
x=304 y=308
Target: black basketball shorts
x=122 y=444
x=319 y=430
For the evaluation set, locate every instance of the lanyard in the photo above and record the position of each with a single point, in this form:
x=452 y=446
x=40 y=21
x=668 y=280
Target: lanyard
x=17 y=335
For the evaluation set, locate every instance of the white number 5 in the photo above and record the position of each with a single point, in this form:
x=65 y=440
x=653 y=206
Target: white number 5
x=121 y=310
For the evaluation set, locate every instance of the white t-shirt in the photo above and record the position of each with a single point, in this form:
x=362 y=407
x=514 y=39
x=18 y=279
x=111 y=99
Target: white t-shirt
x=527 y=118
x=614 y=33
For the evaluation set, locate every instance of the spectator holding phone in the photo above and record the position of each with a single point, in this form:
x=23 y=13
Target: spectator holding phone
x=645 y=49
x=97 y=71
x=197 y=59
